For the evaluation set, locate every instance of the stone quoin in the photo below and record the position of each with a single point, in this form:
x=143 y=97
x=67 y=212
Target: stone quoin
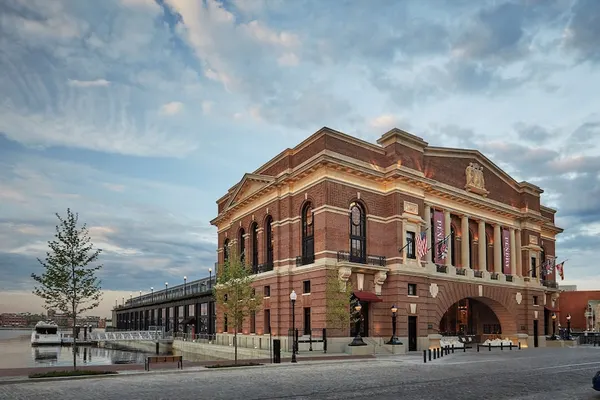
x=339 y=203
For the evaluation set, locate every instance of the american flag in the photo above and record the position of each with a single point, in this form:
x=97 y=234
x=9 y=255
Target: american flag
x=422 y=244
x=561 y=271
x=443 y=248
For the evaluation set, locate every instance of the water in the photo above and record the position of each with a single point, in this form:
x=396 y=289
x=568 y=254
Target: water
x=17 y=352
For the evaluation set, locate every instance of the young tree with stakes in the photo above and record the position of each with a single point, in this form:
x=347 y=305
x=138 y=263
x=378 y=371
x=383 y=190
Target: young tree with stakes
x=69 y=282
x=234 y=293
x=338 y=294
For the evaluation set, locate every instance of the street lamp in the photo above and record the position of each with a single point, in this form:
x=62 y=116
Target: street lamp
x=553 y=326
x=293 y=300
x=568 y=326
x=166 y=288
x=152 y=294
x=209 y=277
x=184 y=282
x=140 y=295
x=394 y=340
x=357 y=341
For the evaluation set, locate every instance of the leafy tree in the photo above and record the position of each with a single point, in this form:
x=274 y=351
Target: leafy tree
x=338 y=294
x=69 y=282
x=235 y=294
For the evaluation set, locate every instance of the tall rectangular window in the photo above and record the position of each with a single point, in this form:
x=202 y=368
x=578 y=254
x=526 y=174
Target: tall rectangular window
x=533 y=267
x=410 y=245
x=268 y=321
x=307 y=320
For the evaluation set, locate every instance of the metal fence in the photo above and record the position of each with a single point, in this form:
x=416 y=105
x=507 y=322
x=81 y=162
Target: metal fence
x=307 y=340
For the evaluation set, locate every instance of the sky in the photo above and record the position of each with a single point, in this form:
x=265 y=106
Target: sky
x=139 y=114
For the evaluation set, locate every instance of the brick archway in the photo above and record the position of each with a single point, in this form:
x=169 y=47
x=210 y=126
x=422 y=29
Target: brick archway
x=499 y=299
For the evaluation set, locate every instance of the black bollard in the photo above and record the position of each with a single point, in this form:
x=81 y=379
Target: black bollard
x=519 y=345
x=429 y=351
x=434 y=354
x=157 y=344
x=477 y=348
x=490 y=346
x=510 y=346
x=465 y=348
x=452 y=349
x=425 y=356
x=441 y=350
x=501 y=346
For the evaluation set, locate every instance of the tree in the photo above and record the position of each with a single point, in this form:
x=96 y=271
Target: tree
x=235 y=294
x=338 y=295
x=69 y=282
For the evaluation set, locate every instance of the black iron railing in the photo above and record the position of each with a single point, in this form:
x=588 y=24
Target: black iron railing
x=441 y=268
x=461 y=271
x=550 y=284
x=344 y=256
x=258 y=269
x=494 y=276
x=478 y=274
x=509 y=278
x=305 y=260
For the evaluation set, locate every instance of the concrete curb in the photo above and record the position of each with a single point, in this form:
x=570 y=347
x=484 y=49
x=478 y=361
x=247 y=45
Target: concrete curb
x=201 y=369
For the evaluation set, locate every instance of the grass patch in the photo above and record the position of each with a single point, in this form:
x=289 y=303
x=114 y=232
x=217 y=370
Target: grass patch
x=79 y=372
x=251 y=364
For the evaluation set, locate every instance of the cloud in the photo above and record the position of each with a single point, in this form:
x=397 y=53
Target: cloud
x=97 y=82
x=171 y=108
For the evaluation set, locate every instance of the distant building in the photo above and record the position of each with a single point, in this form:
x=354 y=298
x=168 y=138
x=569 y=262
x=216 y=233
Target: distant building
x=12 y=319
x=584 y=308
x=568 y=288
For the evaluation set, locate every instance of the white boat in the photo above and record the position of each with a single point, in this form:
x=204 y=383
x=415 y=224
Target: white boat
x=45 y=333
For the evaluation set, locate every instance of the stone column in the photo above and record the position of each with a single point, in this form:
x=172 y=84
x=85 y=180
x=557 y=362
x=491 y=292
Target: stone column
x=519 y=254
x=497 y=249
x=448 y=229
x=428 y=226
x=465 y=248
x=513 y=256
x=482 y=246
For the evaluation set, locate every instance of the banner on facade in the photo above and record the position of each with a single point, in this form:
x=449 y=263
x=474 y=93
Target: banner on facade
x=506 y=251
x=439 y=233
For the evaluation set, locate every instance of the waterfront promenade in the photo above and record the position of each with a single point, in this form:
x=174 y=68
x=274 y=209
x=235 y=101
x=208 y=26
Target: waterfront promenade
x=529 y=374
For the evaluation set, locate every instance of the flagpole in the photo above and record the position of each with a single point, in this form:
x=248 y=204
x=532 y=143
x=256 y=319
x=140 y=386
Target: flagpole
x=407 y=243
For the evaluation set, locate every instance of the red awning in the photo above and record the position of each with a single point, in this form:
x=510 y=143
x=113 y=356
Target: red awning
x=554 y=310
x=367 y=296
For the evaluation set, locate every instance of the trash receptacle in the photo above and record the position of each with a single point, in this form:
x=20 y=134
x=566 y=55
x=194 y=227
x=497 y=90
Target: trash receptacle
x=277 y=351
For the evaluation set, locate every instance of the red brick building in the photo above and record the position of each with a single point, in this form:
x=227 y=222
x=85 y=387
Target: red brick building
x=584 y=308
x=337 y=202
x=12 y=319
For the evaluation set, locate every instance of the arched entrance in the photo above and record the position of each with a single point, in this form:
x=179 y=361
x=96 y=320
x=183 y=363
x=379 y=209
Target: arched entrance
x=480 y=317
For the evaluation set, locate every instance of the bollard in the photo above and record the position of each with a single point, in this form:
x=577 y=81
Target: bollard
x=477 y=348
x=277 y=351
x=510 y=346
x=441 y=350
x=425 y=356
x=465 y=348
x=452 y=349
x=501 y=346
x=310 y=340
x=324 y=340
x=157 y=352
x=490 y=346
x=429 y=354
x=519 y=345
x=434 y=354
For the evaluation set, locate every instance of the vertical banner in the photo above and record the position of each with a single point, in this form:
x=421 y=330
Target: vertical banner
x=505 y=251
x=439 y=233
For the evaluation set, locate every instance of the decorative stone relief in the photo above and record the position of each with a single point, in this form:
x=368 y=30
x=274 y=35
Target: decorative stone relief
x=535 y=315
x=360 y=281
x=434 y=290
x=343 y=274
x=480 y=288
x=519 y=297
x=380 y=278
x=411 y=208
x=533 y=239
x=475 y=180
x=413 y=308
x=554 y=298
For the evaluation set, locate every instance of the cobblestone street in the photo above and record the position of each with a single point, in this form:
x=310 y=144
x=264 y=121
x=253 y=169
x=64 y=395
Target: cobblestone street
x=527 y=374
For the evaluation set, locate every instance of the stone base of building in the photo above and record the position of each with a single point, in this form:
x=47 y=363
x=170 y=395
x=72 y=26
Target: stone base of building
x=561 y=343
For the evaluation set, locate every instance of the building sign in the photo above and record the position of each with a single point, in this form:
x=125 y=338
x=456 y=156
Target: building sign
x=506 y=251
x=439 y=233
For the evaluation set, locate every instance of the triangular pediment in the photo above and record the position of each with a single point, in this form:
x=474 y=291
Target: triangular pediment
x=250 y=184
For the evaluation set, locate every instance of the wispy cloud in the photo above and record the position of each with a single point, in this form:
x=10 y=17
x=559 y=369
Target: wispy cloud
x=97 y=82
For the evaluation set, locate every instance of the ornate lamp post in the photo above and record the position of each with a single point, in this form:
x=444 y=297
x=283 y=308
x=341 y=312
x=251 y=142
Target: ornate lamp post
x=357 y=341
x=184 y=283
x=568 y=326
x=166 y=288
x=209 y=278
x=553 y=326
x=293 y=300
x=152 y=294
x=394 y=340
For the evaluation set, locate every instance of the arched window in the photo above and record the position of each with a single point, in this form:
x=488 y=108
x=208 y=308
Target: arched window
x=254 y=229
x=269 y=240
x=242 y=245
x=452 y=245
x=308 y=235
x=225 y=250
x=471 y=250
x=358 y=233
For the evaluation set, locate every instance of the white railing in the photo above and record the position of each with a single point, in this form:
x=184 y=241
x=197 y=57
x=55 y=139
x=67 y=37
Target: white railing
x=121 y=336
